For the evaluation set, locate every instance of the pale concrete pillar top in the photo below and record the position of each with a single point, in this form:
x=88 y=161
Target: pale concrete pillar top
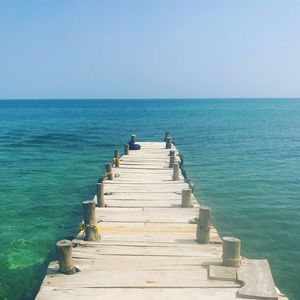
x=64 y=243
x=231 y=239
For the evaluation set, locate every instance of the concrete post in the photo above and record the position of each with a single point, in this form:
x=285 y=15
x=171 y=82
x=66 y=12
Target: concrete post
x=231 y=252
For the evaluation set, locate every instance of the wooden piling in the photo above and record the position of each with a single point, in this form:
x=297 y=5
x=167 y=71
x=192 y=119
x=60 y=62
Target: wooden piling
x=175 y=171
x=186 y=198
x=172 y=153
x=126 y=149
x=231 y=252
x=109 y=172
x=167 y=134
x=203 y=225
x=100 y=194
x=168 y=143
x=64 y=256
x=116 y=158
x=172 y=161
x=90 y=223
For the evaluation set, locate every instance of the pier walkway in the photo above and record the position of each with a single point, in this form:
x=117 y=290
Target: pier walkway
x=148 y=247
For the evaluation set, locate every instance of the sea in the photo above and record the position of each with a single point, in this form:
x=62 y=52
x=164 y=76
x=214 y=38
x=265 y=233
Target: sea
x=243 y=156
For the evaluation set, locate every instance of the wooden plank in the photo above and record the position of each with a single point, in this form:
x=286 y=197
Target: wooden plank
x=135 y=279
x=141 y=189
x=137 y=196
x=146 y=203
x=137 y=293
x=151 y=215
x=188 y=251
x=134 y=181
x=140 y=263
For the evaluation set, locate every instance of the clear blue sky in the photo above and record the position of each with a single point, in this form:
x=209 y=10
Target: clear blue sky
x=149 y=49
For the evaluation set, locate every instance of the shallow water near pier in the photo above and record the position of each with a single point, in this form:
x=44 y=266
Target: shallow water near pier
x=243 y=156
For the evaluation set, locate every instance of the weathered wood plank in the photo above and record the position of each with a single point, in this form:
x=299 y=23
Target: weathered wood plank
x=138 y=251
x=138 y=293
x=151 y=215
x=135 y=279
x=146 y=203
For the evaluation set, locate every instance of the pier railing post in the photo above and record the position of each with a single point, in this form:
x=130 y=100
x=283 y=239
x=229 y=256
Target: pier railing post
x=203 y=225
x=168 y=143
x=172 y=158
x=109 y=172
x=172 y=161
x=175 y=171
x=116 y=153
x=116 y=158
x=172 y=153
x=64 y=256
x=186 y=196
x=231 y=252
x=167 y=134
x=100 y=194
x=90 y=222
x=126 y=149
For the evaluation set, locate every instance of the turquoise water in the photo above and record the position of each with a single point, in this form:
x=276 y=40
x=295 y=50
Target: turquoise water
x=244 y=157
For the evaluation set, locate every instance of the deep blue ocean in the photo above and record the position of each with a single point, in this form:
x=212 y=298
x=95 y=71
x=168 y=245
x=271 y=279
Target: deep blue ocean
x=243 y=156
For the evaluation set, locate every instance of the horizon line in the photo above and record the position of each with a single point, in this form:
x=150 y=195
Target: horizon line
x=156 y=98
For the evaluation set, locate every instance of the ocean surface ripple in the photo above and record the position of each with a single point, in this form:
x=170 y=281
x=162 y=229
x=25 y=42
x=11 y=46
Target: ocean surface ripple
x=243 y=156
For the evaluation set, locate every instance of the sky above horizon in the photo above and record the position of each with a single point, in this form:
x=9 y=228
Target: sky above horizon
x=53 y=49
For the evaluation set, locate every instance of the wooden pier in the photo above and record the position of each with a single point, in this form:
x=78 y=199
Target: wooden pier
x=154 y=244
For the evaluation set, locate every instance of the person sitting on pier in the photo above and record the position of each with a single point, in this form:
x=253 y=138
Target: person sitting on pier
x=133 y=145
